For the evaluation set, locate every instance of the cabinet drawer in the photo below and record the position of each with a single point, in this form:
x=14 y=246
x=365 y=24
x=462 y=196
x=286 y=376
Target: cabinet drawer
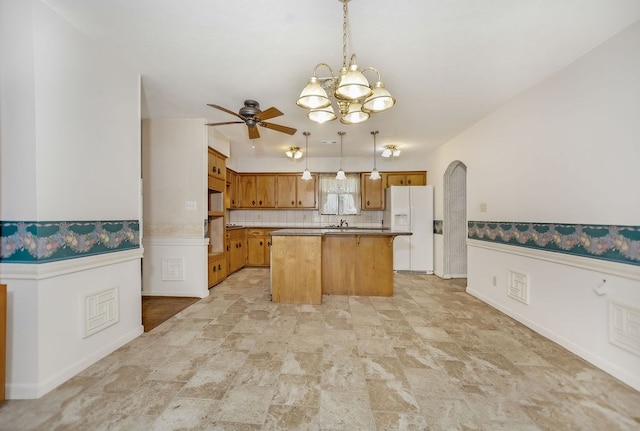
x=256 y=232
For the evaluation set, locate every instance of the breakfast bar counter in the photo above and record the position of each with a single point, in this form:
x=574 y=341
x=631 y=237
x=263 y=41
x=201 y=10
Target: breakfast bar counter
x=307 y=263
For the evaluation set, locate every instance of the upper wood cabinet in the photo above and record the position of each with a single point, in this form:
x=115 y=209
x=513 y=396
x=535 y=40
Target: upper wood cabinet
x=405 y=178
x=372 y=192
x=256 y=191
x=294 y=192
x=231 y=195
x=217 y=170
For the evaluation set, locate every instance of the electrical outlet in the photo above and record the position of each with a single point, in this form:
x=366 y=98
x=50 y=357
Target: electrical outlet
x=601 y=288
x=495 y=281
x=190 y=205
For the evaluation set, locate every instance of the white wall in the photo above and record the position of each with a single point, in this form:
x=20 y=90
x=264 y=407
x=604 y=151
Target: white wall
x=70 y=150
x=175 y=171
x=565 y=151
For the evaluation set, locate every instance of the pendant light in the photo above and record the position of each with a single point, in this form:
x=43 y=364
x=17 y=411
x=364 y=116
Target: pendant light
x=306 y=175
x=340 y=175
x=375 y=175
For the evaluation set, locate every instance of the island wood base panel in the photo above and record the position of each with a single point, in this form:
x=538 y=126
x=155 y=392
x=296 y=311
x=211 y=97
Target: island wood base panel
x=303 y=268
x=296 y=269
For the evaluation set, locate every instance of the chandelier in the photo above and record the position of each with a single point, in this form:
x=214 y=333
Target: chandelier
x=355 y=97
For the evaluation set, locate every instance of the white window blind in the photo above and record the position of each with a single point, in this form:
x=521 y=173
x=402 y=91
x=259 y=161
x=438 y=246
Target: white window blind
x=339 y=197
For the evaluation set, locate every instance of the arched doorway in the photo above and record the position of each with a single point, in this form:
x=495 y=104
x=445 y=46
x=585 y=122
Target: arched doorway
x=454 y=225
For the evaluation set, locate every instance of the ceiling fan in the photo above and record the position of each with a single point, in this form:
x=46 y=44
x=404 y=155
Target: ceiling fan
x=252 y=116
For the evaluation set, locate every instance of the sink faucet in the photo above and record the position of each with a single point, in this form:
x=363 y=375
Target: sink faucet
x=343 y=223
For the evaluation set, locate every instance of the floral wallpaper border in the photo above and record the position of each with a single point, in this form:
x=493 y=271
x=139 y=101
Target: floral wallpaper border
x=40 y=242
x=437 y=227
x=607 y=242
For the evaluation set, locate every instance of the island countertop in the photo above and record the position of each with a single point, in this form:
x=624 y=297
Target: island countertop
x=337 y=231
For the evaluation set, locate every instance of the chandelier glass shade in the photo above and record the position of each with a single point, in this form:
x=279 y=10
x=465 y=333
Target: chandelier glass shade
x=390 y=151
x=294 y=153
x=375 y=175
x=355 y=98
x=306 y=175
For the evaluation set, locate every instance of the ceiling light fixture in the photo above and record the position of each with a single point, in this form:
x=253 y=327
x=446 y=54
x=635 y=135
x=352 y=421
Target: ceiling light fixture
x=294 y=153
x=355 y=97
x=375 y=175
x=340 y=175
x=390 y=151
x=306 y=175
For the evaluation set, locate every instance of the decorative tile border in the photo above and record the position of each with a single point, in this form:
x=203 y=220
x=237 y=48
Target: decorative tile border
x=437 y=227
x=40 y=242
x=607 y=242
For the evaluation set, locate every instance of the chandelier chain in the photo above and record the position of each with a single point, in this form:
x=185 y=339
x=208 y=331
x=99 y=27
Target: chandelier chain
x=344 y=33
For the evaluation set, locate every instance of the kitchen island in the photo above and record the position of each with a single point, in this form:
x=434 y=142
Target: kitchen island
x=307 y=263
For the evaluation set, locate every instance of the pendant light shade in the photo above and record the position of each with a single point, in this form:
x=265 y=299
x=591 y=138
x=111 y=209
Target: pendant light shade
x=306 y=175
x=375 y=175
x=341 y=175
x=379 y=101
x=322 y=115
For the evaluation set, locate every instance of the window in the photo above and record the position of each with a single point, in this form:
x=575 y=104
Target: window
x=339 y=197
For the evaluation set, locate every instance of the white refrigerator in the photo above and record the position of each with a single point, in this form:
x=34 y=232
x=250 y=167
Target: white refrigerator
x=410 y=208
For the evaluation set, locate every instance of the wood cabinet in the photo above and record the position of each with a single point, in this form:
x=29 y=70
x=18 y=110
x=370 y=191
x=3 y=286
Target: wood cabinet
x=372 y=192
x=296 y=271
x=405 y=178
x=231 y=195
x=217 y=170
x=217 y=268
x=236 y=249
x=294 y=192
x=258 y=247
x=257 y=191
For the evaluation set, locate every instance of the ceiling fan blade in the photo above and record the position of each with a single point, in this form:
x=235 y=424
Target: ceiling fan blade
x=253 y=132
x=226 y=110
x=226 y=122
x=268 y=113
x=279 y=128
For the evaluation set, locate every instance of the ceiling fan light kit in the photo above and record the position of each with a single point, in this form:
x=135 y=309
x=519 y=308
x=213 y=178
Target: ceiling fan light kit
x=355 y=97
x=390 y=151
x=294 y=153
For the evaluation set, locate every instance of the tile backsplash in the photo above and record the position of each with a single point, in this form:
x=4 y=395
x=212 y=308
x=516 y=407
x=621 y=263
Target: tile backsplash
x=301 y=218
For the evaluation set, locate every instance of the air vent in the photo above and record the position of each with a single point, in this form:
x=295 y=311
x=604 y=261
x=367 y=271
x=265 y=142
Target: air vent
x=329 y=141
x=518 y=286
x=624 y=327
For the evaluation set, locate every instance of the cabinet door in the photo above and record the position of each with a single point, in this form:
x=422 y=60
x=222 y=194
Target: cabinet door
x=306 y=192
x=396 y=180
x=372 y=193
x=266 y=191
x=247 y=191
x=416 y=180
x=255 y=251
x=287 y=191
x=237 y=255
x=230 y=198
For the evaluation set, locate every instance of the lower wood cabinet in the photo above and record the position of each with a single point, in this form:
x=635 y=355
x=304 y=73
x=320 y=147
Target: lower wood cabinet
x=217 y=268
x=236 y=249
x=258 y=247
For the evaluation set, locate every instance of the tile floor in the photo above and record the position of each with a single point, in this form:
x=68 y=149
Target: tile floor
x=430 y=358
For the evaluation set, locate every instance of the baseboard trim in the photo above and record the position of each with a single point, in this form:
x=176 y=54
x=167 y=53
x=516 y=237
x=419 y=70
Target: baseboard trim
x=21 y=391
x=606 y=366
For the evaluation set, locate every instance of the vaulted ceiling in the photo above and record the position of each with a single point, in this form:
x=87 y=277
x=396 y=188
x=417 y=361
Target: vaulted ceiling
x=449 y=63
